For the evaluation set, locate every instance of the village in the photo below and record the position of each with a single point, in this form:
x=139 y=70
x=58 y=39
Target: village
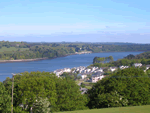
x=93 y=74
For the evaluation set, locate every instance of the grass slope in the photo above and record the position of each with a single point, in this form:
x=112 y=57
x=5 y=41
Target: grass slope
x=134 y=109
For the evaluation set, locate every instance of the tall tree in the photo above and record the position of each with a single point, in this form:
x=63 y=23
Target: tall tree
x=5 y=100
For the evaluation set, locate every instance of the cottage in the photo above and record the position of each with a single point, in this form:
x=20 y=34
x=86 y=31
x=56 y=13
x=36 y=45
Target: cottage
x=113 y=69
x=83 y=75
x=123 y=67
x=137 y=64
x=67 y=70
x=96 y=77
x=100 y=70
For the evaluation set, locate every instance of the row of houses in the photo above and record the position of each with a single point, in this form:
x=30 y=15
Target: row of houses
x=97 y=73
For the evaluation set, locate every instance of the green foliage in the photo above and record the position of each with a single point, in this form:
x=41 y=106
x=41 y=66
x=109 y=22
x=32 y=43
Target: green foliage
x=41 y=105
x=130 y=56
x=5 y=100
x=18 y=109
x=128 y=87
x=62 y=94
x=69 y=96
x=68 y=75
x=30 y=86
x=82 y=85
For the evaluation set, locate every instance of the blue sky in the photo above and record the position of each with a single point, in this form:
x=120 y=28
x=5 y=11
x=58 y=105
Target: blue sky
x=78 y=20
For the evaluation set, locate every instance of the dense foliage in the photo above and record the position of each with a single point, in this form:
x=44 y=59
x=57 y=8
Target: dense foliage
x=128 y=87
x=36 y=89
x=5 y=100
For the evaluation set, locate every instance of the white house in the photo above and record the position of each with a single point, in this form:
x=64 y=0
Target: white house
x=113 y=69
x=137 y=64
x=100 y=70
x=96 y=77
x=123 y=67
x=88 y=70
x=68 y=70
x=83 y=75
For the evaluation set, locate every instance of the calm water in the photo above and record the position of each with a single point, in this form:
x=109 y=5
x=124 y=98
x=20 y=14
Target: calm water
x=50 y=65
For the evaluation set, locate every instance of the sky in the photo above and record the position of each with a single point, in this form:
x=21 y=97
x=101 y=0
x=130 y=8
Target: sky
x=75 y=20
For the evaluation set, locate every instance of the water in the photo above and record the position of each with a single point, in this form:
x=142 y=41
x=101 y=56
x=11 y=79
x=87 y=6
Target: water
x=50 y=65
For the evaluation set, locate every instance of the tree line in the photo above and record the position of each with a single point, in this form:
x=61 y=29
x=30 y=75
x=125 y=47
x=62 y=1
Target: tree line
x=52 y=50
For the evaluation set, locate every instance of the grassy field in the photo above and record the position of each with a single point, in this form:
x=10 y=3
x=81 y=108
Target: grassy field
x=5 y=49
x=135 y=109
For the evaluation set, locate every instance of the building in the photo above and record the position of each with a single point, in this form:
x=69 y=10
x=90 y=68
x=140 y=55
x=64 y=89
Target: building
x=112 y=69
x=123 y=67
x=137 y=64
x=83 y=75
x=68 y=70
x=96 y=77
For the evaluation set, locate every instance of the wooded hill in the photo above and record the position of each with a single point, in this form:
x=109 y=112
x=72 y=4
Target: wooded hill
x=23 y=50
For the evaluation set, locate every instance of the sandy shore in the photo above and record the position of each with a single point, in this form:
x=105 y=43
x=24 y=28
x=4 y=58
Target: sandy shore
x=22 y=60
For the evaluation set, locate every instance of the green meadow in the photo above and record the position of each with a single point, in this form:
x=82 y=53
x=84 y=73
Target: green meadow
x=134 y=109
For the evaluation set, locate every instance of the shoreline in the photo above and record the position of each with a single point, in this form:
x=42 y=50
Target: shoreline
x=37 y=59
x=22 y=60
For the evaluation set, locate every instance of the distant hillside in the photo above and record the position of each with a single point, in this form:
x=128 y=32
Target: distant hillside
x=30 y=50
x=106 y=43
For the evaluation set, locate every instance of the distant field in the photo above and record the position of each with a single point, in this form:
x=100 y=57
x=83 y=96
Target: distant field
x=5 y=49
x=135 y=109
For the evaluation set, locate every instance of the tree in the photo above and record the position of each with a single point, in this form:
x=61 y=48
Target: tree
x=29 y=86
x=62 y=94
x=143 y=61
x=5 y=100
x=130 y=56
x=128 y=87
x=41 y=105
x=69 y=96
x=111 y=58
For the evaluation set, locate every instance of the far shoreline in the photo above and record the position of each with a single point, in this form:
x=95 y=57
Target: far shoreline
x=37 y=59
